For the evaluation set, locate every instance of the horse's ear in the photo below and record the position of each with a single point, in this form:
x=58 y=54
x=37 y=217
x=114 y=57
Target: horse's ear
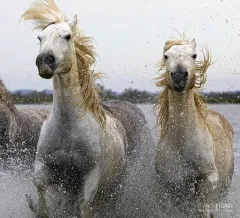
x=72 y=23
x=193 y=44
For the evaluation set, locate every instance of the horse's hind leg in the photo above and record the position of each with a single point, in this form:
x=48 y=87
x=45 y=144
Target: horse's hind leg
x=41 y=180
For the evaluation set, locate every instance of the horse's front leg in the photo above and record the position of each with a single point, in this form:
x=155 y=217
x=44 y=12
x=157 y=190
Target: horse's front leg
x=41 y=176
x=207 y=186
x=91 y=185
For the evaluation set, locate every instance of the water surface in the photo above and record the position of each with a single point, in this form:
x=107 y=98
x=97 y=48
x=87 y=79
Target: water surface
x=139 y=201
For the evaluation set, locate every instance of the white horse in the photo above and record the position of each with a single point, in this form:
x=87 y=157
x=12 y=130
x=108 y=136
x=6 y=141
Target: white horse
x=194 y=159
x=83 y=145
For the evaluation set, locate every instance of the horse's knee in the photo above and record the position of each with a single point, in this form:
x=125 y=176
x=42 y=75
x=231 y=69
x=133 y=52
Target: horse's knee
x=41 y=175
x=213 y=179
x=208 y=184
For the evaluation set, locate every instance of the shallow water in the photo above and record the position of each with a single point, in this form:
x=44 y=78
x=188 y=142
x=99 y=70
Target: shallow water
x=231 y=112
x=138 y=199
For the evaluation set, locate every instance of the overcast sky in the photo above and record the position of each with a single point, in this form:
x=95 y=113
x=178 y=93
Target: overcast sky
x=129 y=37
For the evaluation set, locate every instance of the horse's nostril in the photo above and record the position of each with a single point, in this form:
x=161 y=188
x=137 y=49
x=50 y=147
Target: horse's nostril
x=185 y=74
x=45 y=58
x=171 y=74
x=51 y=58
x=37 y=61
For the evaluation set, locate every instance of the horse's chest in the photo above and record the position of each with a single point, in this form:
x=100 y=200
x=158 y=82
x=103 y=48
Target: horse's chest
x=66 y=140
x=180 y=161
x=177 y=167
x=68 y=153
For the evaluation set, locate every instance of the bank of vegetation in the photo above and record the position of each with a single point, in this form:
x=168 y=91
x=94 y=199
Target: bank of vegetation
x=131 y=95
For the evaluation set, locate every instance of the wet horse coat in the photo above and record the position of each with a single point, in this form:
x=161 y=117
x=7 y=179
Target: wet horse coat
x=20 y=130
x=84 y=145
x=194 y=159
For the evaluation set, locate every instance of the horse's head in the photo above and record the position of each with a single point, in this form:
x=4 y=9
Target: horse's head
x=179 y=61
x=56 y=48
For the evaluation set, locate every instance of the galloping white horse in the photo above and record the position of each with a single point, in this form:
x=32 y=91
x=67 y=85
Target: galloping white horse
x=194 y=159
x=82 y=146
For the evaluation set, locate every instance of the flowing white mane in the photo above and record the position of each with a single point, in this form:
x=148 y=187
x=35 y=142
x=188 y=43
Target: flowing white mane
x=45 y=12
x=162 y=105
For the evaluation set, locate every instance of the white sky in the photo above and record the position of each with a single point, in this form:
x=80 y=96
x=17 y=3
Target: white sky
x=129 y=36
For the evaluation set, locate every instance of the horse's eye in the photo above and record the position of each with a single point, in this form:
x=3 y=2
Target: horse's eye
x=194 y=56
x=68 y=37
x=165 y=56
x=39 y=38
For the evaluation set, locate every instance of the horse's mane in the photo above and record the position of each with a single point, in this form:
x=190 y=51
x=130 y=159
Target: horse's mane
x=44 y=12
x=162 y=105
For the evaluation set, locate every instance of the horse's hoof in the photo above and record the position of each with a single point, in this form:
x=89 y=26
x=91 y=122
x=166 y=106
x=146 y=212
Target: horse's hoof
x=42 y=216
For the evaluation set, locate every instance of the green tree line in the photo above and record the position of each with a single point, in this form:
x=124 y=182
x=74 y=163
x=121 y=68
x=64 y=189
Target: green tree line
x=129 y=94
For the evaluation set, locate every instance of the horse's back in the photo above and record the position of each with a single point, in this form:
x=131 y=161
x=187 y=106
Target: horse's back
x=39 y=114
x=31 y=120
x=124 y=108
x=131 y=117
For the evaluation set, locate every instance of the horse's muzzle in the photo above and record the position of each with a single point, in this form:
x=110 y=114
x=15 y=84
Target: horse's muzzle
x=46 y=64
x=179 y=80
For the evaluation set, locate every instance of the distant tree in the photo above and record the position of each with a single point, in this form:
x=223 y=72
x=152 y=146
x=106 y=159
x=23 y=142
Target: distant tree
x=132 y=95
x=136 y=96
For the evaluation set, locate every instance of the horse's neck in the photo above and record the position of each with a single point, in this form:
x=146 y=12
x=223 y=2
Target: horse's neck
x=182 y=107
x=67 y=97
x=184 y=119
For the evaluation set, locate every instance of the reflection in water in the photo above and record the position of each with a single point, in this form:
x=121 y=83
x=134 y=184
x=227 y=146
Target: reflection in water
x=138 y=198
